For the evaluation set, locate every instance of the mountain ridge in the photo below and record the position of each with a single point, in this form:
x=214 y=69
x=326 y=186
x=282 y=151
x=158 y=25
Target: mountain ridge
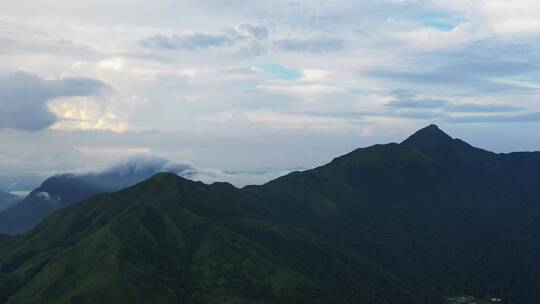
x=7 y=200
x=174 y=185
x=62 y=190
x=394 y=223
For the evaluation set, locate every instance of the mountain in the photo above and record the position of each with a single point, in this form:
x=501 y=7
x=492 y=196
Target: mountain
x=430 y=220
x=63 y=190
x=170 y=240
x=7 y=200
x=433 y=210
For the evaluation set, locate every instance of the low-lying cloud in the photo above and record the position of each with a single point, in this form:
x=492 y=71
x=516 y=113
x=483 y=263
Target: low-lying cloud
x=146 y=165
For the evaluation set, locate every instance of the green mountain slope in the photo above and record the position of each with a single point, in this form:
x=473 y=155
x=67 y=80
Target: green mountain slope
x=169 y=240
x=433 y=210
x=418 y=222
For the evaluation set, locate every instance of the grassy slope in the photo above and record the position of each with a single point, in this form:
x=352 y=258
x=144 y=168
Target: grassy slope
x=169 y=240
x=397 y=223
x=444 y=215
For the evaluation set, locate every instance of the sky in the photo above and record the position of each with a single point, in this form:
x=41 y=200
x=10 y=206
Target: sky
x=259 y=86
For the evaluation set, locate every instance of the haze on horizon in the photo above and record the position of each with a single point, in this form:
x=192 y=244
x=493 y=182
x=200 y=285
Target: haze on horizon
x=259 y=85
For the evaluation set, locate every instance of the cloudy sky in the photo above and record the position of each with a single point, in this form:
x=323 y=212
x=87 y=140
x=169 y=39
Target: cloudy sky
x=259 y=85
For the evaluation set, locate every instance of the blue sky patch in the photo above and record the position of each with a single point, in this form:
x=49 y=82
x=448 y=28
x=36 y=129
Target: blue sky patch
x=281 y=72
x=440 y=20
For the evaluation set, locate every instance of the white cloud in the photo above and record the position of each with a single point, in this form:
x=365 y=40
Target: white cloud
x=305 y=92
x=115 y=64
x=88 y=113
x=44 y=196
x=314 y=44
x=500 y=17
x=429 y=39
x=315 y=75
x=149 y=164
x=299 y=121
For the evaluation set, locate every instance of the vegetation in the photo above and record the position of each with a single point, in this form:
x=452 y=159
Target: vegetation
x=416 y=222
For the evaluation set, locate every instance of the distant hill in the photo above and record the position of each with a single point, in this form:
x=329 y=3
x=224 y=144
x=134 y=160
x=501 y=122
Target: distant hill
x=7 y=200
x=63 y=190
x=430 y=220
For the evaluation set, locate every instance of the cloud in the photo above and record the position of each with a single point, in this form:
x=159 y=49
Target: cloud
x=315 y=75
x=511 y=68
x=482 y=108
x=143 y=163
x=313 y=45
x=189 y=42
x=257 y=31
x=499 y=17
x=408 y=100
x=24 y=97
x=43 y=195
x=305 y=92
x=146 y=165
x=407 y=105
x=443 y=78
x=247 y=38
x=533 y=117
x=16 y=37
x=420 y=114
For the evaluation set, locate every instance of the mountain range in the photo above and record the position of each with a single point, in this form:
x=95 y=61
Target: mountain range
x=62 y=190
x=7 y=200
x=430 y=220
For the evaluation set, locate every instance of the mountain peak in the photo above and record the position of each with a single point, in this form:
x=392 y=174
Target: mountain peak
x=429 y=136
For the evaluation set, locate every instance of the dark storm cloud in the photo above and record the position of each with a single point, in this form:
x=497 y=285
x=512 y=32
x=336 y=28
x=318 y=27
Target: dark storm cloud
x=24 y=96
